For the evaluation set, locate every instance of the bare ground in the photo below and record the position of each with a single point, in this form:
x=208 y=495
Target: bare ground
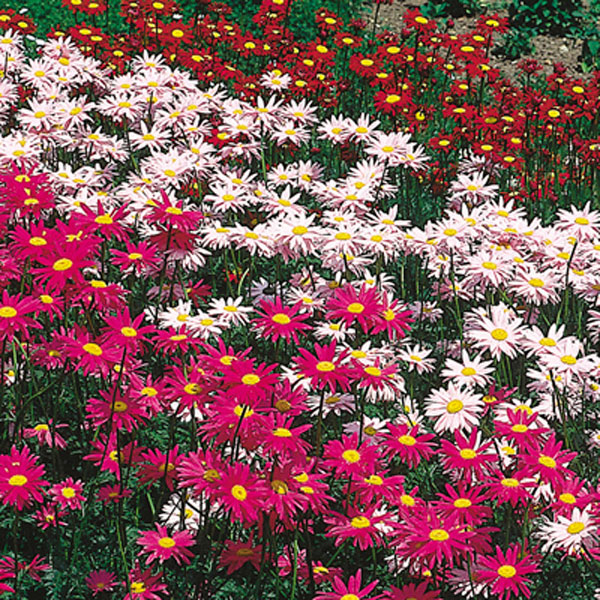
x=547 y=49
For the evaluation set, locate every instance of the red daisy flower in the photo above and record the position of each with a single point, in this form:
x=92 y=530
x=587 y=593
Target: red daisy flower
x=161 y=546
x=358 y=526
x=20 y=478
x=107 y=224
x=236 y=554
x=126 y=332
x=342 y=591
x=412 y=591
x=159 y=466
x=349 y=305
x=113 y=493
x=143 y=585
x=240 y=492
x=404 y=441
x=284 y=440
x=377 y=485
x=118 y=407
x=393 y=319
x=465 y=504
x=281 y=321
x=425 y=535
x=46 y=433
x=510 y=488
x=550 y=461
x=12 y=316
x=250 y=381
x=106 y=456
x=284 y=495
x=93 y=357
x=505 y=573
x=349 y=458
x=324 y=369
x=468 y=455
x=57 y=270
x=137 y=258
x=519 y=428
x=100 y=581
x=67 y=494
x=223 y=356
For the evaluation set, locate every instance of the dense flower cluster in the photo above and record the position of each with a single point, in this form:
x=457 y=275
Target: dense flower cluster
x=252 y=342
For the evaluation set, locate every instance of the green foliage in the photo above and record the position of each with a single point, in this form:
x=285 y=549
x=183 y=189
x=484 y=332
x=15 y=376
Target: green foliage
x=518 y=42
x=557 y=17
x=451 y=8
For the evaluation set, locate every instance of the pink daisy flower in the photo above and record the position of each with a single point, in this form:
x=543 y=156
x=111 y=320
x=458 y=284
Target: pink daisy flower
x=161 y=546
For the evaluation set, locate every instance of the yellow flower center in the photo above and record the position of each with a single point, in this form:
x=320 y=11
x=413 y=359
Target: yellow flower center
x=407 y=440
x=239 y=492
x=68 y=492
x=575 y=527
x=17 y=480
x=356 y=308
x=325 y=366
x=547 y=461
x=374 y=480
x=468 y=453
x=62 y=264
x=462 y=503
x=454 y=406
x=128 y=331
x=519 y=428
x=282 y=432
x=469 y=371
x=104 y=220
x=567 y=498
x=8 y=312
x=499 y=334
x=93 y=349
x=250 y=379
x=507 y=571
x=119 y=406
x=281 y=319
x=360 y=522
x=166 y=542
x=374 y=371
x=351 y=456
x=536 y=282
x=438 y=535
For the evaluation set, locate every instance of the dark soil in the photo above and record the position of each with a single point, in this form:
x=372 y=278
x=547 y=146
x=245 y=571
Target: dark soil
x=547 y=49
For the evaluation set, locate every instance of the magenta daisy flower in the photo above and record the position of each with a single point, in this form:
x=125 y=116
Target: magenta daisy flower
x=358 y=526
x=100 y=581
x=505 y=573
x=241 y=492
x=427 y=536
x=349 y=458
x=161 y=546
x=67 y=494
x=352 y=589
x=550 y=462
x=282 y=321
x=405 y=442
x=349 y=306
x=13 y=319
x=20 y=478
x=324 y=369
